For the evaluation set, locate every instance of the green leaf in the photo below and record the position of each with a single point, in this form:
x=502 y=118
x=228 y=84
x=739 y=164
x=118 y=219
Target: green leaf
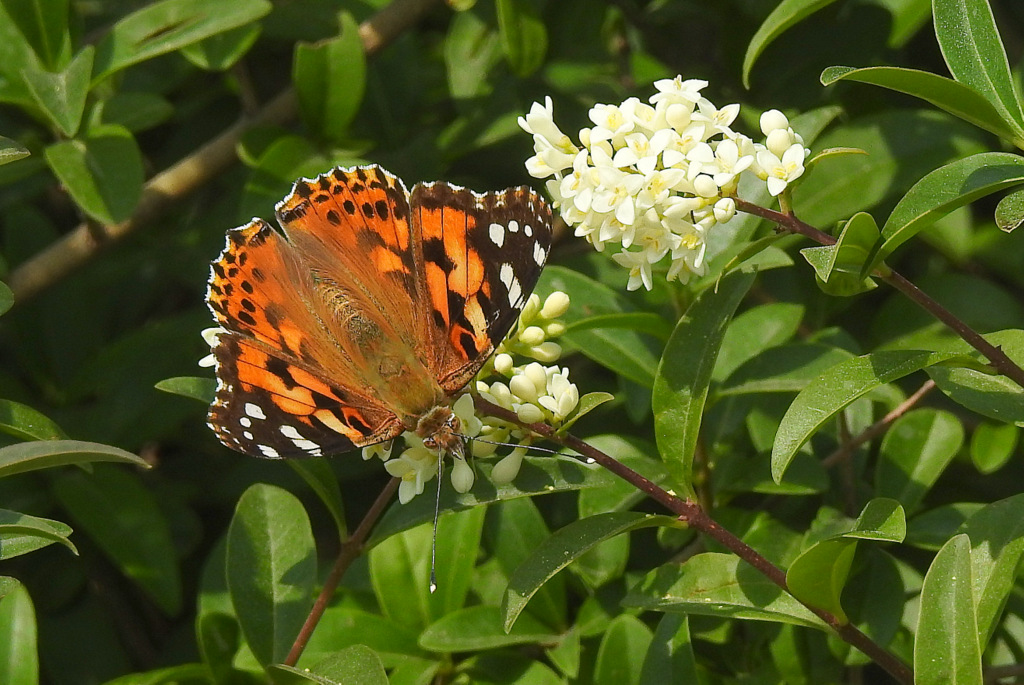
x=45 y=454
x=943 y=190
x=1009 y=212
x=222 y=51
x=587 y=404
x=355 y=665
x=271 y=569
x=642 y=322
x=19 y=659
x=168 y=26
x=320 y=477
x=788 y=368
x=946 y=648
x=835 y=389
x=184 y=674
x=8 y=585
x=722 y=585
x=681 y=386
x=562 y=548
x=524 y=37
x=102 y=171
x=25 y=423
x=956 y=98
x=136 y=111
x=974 y=53
x=345 y=625
x=754 y=331
x=993 y=445
x=11 y=151
x=996 y=532
x=197 y=387
x=124 y=519
x=915 y=451
x=838 y=267
x=21 y=533
x=670 y=657
x=538 y=476
x=330 y=78
x=624 y=352
x=817 y=577
x=996 y=397
x=785 y=15
x=61 y=96
x=882 y=519
x=471 y=49
x=620 y=657
x=6 y=296
x=44 y=24
x=480 y=627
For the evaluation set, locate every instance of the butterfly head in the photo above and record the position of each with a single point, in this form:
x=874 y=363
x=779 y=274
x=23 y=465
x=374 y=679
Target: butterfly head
x=439 y=429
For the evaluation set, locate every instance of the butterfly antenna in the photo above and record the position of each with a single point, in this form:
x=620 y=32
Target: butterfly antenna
x=533 y=448
x=437 y=511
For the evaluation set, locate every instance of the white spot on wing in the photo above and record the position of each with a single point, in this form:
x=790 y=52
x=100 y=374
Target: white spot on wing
x=254 y=410
x=497 y=234
x=540 y=255
x=245 y=421
x=513 y=226
x=268 y=451
x=247 y=435
x=290 y=432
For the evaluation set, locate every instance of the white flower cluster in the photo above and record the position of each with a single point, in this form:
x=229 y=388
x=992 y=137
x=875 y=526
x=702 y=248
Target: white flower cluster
x=655 y=178
x=536 y=393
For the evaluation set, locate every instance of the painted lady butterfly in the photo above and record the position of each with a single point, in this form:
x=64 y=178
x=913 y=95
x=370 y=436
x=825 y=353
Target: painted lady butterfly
x=372 y=309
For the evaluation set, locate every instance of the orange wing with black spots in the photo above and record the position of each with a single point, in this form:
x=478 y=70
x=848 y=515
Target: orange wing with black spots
x=371 y=309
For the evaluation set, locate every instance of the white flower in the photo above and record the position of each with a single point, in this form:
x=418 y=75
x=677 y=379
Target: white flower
x=210 y=336
x=506 y=470
x=675 y=90
x=772 y=120
x=562 y=396
x=639 y=269
x=462 y=476
x=610 y=122
x=781 y=172
x=415 y=466
x=382 y=451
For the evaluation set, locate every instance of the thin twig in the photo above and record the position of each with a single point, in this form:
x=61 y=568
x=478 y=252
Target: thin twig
x=691 y=514
x=350 y=551
x=1002 y=363
x=165 y=190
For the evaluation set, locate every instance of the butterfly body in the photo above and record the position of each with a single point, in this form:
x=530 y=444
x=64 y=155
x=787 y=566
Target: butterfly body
x=369 y=312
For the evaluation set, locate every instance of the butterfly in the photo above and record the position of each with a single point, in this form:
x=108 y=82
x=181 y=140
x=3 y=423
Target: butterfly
x=369 y=312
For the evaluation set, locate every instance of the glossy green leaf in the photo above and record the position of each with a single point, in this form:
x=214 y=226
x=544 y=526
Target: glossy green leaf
x=996 y=532
x=345 y=625
x=787 y=368
x=136 y=111
x=993 y=445
x=915 y=451
x=538 y=476
x=625 y=352
x=223 y=50
x=271 y=569
x=19 y=658
x=25 y=423
x=400 y=568
x=167 y=26
x=8 y=585
x=562 y=548
x=61 y=96
x=355 y=665
x=670 y=657
x=882 y=520
x=642 y=322
x=524 y=38
x=44 y=24
x=684 y=375
x=996 y=397
x=618 y=495
x=931 y=529
x=943 y=190
x=974 y=53
x=471 y=48
x=1009 y=212
x=817 y=577
x=330 y=78
x=587 y=404
x=946 y=648
x=786 y=14
x=956 y=98
x=722 y=585
x=620 y=656
x=754 y=331
x=320 y=477
x=197 y=387
x=21 y=533
x=480 y=627
x=102 y=171
x=123 y=517
x=45 y=454
x=838 y=267
x=11 y=151
x=835 y=389
x=6 y=296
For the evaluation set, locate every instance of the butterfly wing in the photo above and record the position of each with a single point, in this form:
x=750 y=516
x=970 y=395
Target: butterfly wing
x=479 y=258
x=285 y=389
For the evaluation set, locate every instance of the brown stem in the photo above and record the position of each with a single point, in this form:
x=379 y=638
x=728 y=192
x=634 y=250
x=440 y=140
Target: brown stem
x=350 y=551
x=1002 y=363
x=691 y=514
x=165 y=190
